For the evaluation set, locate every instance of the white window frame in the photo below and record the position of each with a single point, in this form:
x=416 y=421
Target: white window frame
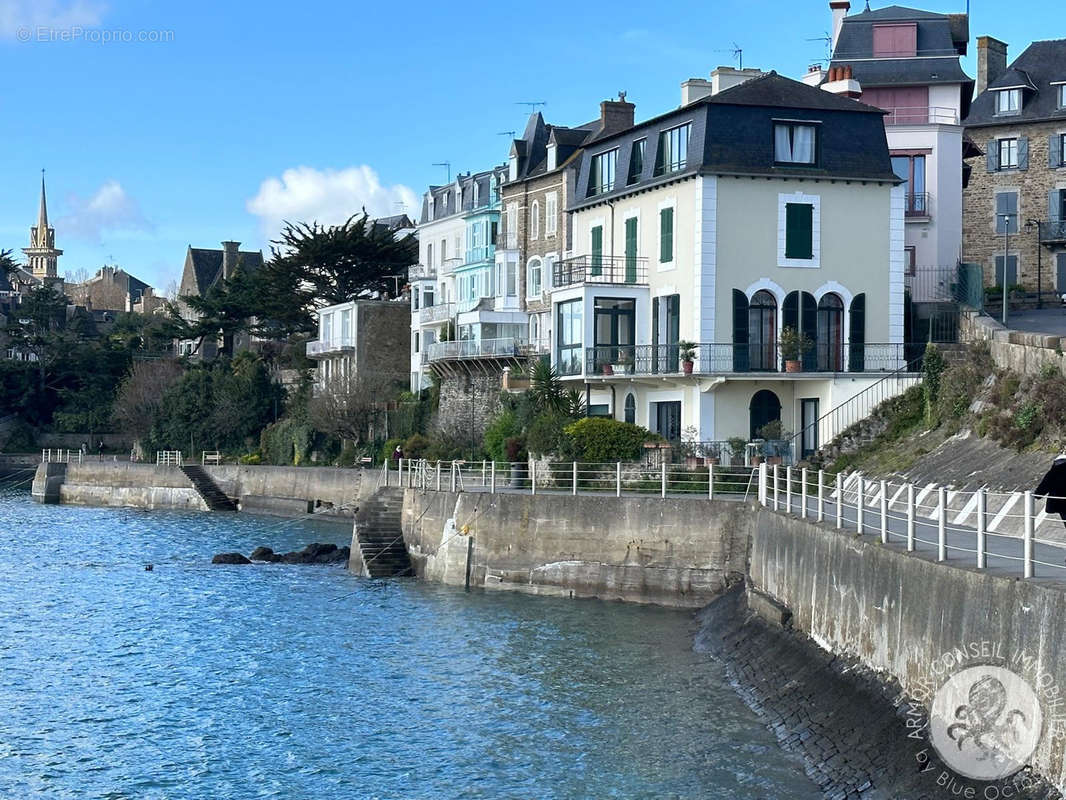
x=784 y=123
x=551 y=215
x=783 y=199
x=534 y=220
x=596 y=171
x=1009 y=95
x=663 y=266
x=1007 y=141
x=535 y=263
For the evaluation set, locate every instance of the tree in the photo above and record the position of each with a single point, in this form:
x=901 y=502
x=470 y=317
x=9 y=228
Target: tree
x=312 y=265
x=140 y=396
x=37 y=328
x=224 y=310
x=352 y=406
x=8 y=265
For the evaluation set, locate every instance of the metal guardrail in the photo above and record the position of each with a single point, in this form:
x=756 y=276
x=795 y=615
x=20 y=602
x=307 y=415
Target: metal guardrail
x=169 y=458
x=916 y=204
x=417 y=272
x=437 y=313
x=51 y=456
x=210 y=458
x=618 y=270
x=1053 y=231
x=319 y=347
x=475 y=348
x=711 y=358
x=921 y=115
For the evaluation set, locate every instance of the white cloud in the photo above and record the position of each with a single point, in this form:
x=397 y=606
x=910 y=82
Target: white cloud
x=109 y=209
x=330 y=197
x=19 y=16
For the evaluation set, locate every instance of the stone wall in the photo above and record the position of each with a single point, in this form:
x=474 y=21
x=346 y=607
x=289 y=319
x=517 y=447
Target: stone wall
x=467 y=405
x=1021 y=352
x=981 y=244
x=636 y=549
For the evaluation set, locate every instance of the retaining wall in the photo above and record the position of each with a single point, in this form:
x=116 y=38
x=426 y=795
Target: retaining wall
x=1019 y=351
x=638 y=549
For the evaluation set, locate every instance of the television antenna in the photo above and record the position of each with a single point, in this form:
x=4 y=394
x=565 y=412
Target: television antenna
x=507 y=133
x=828 y=40
x=532 y=104
x=447 y=165
x=737 y=52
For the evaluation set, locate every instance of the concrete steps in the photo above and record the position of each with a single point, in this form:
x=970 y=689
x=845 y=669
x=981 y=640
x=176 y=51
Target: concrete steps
x=379 y=535
x=215 y=498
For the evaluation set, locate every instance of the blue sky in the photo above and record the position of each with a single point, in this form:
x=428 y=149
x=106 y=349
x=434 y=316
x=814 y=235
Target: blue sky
x=247 y=113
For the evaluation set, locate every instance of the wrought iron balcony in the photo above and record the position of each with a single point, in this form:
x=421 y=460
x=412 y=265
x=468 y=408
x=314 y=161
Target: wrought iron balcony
x=917 y=204
x=1053 y=232
x=325 y=347
x=617 y=270
x=724 y=359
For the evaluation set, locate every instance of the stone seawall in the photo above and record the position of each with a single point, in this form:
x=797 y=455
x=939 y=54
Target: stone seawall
x=1022 y=352
x=635 y=549
x=289 y=491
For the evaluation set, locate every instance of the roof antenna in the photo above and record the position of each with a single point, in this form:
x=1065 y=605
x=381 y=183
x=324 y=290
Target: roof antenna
x=828 y=44
x=532 y=105
x=507 y=133
x=867 y=6
x=448 y=165
x=737 y=52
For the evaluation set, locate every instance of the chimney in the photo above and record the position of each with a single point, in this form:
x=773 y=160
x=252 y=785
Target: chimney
x=991 y=61
x=841 y=81
x=229 y=258
x=694 y=89
x=727 y=77
x=815 y=75
x=839 y=9
x=616 y=115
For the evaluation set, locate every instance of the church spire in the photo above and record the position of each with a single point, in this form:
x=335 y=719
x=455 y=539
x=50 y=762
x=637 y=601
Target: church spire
x=42 y=253
x=42 y=217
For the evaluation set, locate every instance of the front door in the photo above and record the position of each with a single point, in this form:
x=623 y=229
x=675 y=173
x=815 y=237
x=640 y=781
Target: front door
x=809 y=420
x=765 y=408
x=668 y=420
x=1061 y=273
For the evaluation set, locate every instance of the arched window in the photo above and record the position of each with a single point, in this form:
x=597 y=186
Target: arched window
x=830 y=339
x=765 y=408
x=762 y=331
x=534 y=278
x=631 y=409
x=534 y=220
x=534 y=328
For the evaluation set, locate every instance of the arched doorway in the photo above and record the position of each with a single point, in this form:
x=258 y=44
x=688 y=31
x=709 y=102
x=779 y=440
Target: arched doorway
x=764 y=409
x=631 y=409
x=762 y=331
x=830 y=333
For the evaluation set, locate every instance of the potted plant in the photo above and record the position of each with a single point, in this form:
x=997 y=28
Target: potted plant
x=624 y=364
x=737 y=446
x=607 y=368
x=686 y=352
x=793 y=345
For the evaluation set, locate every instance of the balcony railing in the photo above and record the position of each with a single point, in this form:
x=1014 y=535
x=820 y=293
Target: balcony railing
x=1053 y=232
x=917 y=204
x=475 y=255
x=619 y=270
x=482 y=348
x=437 y=313
x=720 y=359
x=418 y=272
x=508 y=240
x=335 y=345
x=921 y=115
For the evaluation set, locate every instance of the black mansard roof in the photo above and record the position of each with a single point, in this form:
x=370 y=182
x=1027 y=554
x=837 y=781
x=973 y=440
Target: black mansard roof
x=446 y=196
x=732 y=133
x=1038 y=71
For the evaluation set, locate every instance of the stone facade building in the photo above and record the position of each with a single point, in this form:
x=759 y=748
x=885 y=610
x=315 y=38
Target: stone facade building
x=1016 y=196
x=115 y=289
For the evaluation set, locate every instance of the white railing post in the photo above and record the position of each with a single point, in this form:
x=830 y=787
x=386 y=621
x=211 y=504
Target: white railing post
x=532 y=476
x=840 y=500
x=618 y=479
x=764 y=489
x=884 y=511
x=941 y=524
x=860 y=503
x=454 y=465
x=438 y=475
x=386 y=472
x=710 y=481
x=803 y=493
x=662 y=492
x=982 y=505
x=777 y=490
x=574 y=489
x=1027 y=541
x=788 y=490
x=484 y=467
x=492 y=477
x=821 y=495
x=910 y=517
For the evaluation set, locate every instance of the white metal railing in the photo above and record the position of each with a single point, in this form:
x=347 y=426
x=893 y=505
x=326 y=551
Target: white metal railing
x=573 y=478
x=169 y=458
x=210 y=458
x=320 y=346
x=59 y=456
x=437 y=313
x=983 y=528
x=474 y=348
x=921 y=115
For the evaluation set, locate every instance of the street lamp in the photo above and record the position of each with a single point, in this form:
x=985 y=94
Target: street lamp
x=1006 y=215
x=1029 y=225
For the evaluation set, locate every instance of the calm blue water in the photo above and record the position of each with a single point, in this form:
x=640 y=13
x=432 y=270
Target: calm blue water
x=200 y=681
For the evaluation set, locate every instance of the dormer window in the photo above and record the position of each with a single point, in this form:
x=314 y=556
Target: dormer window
x=601 y=177
x=636 y=160
x=512 y=168
x=431 y=207
x=1060 y=92
x=552 y=156
x=673 y=150
x=477 y=194
x=1008 y=101
x=794 y=143
x=896 y=40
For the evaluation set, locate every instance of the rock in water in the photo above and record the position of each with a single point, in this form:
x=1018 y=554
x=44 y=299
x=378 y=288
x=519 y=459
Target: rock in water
x=265 y=554
x=230 y=558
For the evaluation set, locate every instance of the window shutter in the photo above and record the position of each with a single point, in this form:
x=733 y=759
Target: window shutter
x=1023 y=152
x=1012 y=271
x=740 y=331
x=1002 y=207
x=1054 y=150
x=992 y=155
x=666 y=235
x=857 y=349
x=799 y=230
x=809 y=326
x=631 y=250
x=597 y=250
x=1054 y=205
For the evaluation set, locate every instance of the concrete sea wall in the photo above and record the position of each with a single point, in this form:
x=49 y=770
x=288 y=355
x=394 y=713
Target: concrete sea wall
x=635 y=549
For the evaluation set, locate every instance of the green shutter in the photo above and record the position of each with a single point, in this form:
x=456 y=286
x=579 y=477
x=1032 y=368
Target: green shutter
x=597 y=250
x=799 y=230
x=666 y=235
x=631 y=250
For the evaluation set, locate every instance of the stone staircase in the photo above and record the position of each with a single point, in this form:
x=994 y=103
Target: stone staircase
x=216 y=499
x=379 y=536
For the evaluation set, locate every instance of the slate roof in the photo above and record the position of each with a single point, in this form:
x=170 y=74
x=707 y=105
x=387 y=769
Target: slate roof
x=938 y=44
x=531 y=150
x=1013 y=79
x=207 y=265
x=1041 y=63
x=466 y=181
x=732 y=134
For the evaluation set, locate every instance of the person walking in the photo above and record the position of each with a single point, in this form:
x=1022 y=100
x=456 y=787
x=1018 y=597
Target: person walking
x=397 y=454
x=1052 y=487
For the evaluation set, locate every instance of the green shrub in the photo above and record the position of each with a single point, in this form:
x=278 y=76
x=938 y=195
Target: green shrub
x=599 y=440
x=503 y=427
x=387 y=449
x=416 y=446
x=933 y=369
x=251 y=458
x=547 y=434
